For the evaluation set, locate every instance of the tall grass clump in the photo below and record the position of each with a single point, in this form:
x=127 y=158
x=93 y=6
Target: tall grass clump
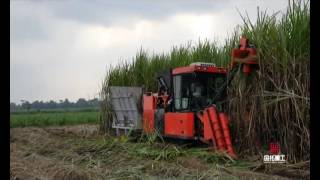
x=270 y=105
x=275 y=104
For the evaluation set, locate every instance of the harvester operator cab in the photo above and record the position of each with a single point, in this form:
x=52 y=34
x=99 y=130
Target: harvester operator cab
x=199 y=85
x=195 y=91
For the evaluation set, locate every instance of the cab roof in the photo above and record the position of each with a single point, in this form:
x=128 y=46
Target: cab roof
x=199 y=67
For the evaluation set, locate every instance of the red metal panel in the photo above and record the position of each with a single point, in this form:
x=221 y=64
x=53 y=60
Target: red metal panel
x=189 y=69
x=210 y=69
x=217 y=130
x=218 y=134
x=179 y=124
x=247 y=55
x=148 y=102
x=226 y=133
x=148 y=121
x=180 y=70
x=148 y=113
x=208 y=133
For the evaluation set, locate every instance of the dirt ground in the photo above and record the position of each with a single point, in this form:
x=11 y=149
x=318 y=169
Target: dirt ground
x=79 y=153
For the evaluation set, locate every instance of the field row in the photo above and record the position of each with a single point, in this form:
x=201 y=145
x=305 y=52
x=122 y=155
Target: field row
x=53 y=119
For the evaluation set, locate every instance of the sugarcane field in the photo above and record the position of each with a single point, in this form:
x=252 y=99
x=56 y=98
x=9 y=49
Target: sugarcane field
x=159 y=90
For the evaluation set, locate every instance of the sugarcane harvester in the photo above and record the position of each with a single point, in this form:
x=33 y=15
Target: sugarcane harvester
x=191 y=100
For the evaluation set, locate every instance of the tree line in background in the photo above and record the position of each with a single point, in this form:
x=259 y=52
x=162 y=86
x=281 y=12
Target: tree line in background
x=81 y=103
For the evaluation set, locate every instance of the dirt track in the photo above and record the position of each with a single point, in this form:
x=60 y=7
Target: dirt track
x=71 y=153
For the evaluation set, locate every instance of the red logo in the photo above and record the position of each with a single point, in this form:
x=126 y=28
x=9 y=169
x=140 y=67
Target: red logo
x=274 y=148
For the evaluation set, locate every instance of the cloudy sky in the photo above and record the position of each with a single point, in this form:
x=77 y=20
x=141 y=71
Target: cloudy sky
x=62 y=48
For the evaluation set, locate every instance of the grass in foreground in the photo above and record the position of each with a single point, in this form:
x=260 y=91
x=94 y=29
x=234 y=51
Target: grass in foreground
x=71 y=153
x=147 y=157
x=43 y=119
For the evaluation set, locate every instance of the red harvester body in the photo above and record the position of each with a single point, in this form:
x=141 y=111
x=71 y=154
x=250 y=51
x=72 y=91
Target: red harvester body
x=190 y=102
